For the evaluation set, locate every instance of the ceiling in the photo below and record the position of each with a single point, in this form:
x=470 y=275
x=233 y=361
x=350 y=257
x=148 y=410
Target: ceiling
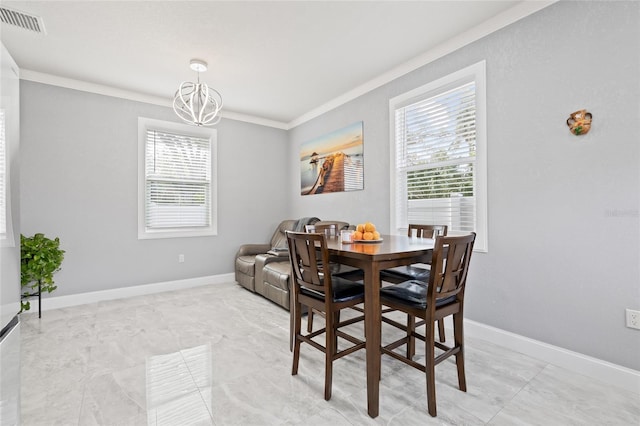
x=273 y=60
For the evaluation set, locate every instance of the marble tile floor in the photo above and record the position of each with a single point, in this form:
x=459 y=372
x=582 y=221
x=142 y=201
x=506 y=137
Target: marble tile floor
x=219 y=355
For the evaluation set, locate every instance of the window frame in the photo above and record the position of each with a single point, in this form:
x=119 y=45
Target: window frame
x=145 y=124
x=6 y=235
x=477 y=74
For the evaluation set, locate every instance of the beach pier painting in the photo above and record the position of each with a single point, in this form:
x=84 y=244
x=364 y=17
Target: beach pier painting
x=333 y=162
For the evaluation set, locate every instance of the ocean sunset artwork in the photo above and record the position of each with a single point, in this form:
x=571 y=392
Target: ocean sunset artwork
x=333 y=162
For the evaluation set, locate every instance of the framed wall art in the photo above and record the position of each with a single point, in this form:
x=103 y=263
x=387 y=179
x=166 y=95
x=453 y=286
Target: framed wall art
x=333 y=162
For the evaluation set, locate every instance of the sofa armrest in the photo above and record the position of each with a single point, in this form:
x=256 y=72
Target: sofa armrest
x=252 y=249
x=266 y=258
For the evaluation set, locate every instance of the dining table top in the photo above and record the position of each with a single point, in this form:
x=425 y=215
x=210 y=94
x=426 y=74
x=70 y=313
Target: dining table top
x=389 y=246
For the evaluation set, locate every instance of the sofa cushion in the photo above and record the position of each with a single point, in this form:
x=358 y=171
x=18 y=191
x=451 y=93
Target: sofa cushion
x=277 y=274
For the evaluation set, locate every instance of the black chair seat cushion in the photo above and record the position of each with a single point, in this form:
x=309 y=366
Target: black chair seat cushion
x=406 y=273
x=349 y=273
x=412 y=293
x=343 y=290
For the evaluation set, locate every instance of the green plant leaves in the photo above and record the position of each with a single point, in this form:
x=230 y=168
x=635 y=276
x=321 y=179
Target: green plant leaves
x=40 y=258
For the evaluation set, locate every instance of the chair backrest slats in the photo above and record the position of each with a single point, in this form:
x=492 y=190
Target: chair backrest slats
x=328 y=229
x=426 y=231
x=308 y=252
x=449 y=267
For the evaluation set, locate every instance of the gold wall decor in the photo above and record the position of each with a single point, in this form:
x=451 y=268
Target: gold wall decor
x=579 y=122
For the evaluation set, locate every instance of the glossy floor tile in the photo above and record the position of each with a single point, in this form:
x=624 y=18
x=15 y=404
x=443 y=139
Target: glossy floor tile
x=219 y=355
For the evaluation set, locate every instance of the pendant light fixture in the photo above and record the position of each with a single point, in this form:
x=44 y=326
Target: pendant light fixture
x=197 y=103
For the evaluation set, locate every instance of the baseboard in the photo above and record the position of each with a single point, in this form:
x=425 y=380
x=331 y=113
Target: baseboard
x=56 y=302
x=615 y=375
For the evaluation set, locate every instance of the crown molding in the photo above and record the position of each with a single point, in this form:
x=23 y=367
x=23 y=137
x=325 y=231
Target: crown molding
x=499 y=21
x=507 y=17
x=255 y=120
x=84 y=86
x=100 y=89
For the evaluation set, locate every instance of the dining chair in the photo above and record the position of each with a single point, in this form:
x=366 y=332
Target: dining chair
x=322 y=292
x=414 y=272
x=440 y=297
x=330 y=230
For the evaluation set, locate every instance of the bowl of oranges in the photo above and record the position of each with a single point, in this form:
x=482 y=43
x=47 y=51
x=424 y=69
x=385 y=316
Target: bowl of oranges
x=366 y=233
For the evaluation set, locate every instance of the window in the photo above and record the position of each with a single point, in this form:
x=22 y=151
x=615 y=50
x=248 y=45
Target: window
x=177 y=181
x=438 y=154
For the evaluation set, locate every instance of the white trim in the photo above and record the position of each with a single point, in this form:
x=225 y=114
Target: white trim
x=508 y=17
x=57 y=302
x=85 y=86
x=476 y=73
x=69 y=83
x=254 y=120
x=10 y=104
x=184 y=129
x=612 y=374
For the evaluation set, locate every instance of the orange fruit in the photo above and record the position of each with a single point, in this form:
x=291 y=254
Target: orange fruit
x=357 y=235
x=367 y=236
x=360 y=227
x=369 y=227
x=376 y=235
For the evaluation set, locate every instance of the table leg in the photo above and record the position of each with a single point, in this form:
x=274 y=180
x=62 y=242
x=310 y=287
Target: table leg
x=372 y=329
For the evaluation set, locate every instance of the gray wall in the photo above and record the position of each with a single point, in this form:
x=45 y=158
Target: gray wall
x=79 y=182
x=563 y=210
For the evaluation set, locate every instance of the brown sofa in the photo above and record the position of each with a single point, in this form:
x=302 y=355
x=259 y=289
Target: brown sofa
x=263 y=269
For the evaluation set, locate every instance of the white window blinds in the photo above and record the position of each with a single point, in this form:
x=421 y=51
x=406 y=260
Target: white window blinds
x=177 y=182
x=436 y=162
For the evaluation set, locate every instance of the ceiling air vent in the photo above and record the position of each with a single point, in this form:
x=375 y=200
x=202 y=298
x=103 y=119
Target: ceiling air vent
x=22 y=20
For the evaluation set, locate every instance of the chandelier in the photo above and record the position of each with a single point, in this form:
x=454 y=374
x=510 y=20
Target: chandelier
x=197 y=103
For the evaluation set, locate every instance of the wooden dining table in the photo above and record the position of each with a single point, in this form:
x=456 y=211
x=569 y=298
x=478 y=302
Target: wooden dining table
x=372 y=257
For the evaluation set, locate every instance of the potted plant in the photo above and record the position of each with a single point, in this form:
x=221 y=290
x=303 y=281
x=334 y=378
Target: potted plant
x=40 y=258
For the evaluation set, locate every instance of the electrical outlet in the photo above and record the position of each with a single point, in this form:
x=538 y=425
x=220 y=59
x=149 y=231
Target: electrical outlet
x=181 y=258
x=633 y=319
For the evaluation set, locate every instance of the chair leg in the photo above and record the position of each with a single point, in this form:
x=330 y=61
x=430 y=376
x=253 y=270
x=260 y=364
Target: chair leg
x=336 y=321
x=292 y=315
x=458 y=335
x=430 y=367
x=309 y=320
x=297 y=325
x=411 y=342
x=328 y=378
x=330 y=350
x=441 y=330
